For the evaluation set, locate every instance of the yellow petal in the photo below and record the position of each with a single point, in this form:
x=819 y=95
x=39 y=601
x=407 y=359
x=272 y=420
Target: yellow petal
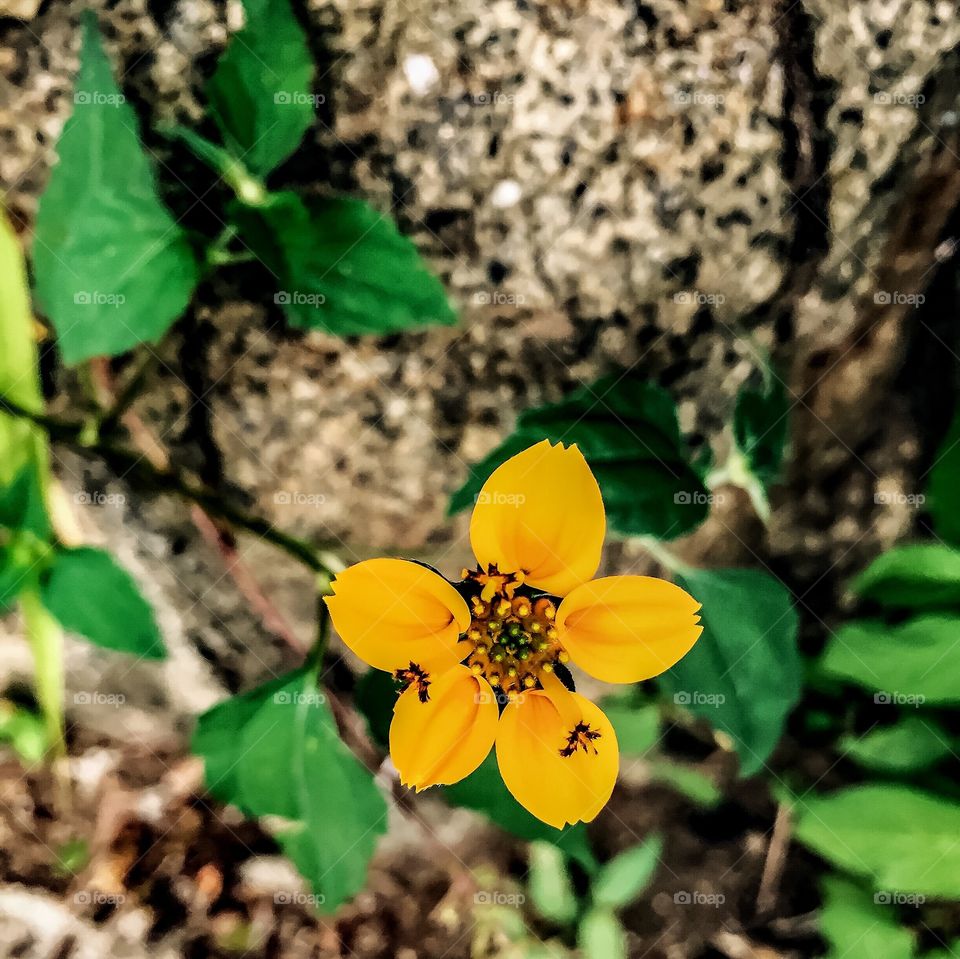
x=445 y=738
x=392 y=612
x=561 y=772
x=541 y=512
x=622 y=629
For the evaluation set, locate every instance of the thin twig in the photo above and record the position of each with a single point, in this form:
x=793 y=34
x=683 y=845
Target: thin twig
x=261 y=604
x=775 y=861
x=131 y=390
x=134 y=467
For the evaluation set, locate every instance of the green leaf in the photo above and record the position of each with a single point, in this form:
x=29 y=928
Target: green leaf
x=21 y=504
x=484 y=791
x=215 y=738
x=943 y=489
x=113 y=268
x=949 y=952
x=908 y=665
x=628 y=432
x=637 y=725
x=744 y=675
x=760 y=428
x=549 y=883
x=898 y=838
x=342 y=267
x=922 y=574
x=374 y=696
x=601 y=936
x=13 y=577
x=91 y=595
x=624 y=877
x=260 y=93
x=276 y=752
x=912 y=744
x=857 y=927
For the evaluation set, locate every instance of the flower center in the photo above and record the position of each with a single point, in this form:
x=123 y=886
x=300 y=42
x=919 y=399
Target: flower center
x=513 y=633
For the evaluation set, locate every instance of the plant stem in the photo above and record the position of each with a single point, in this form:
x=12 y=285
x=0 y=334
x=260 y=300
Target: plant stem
x=736 y=472
x=132 y=466
x=663 y=556
x=46 y=644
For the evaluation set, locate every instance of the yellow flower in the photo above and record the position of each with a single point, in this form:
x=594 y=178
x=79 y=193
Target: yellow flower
x=499 y=638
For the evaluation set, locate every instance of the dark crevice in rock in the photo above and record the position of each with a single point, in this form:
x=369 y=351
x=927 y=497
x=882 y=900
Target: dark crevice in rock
x=805 y=160
x=197 y=337
x=929 y=377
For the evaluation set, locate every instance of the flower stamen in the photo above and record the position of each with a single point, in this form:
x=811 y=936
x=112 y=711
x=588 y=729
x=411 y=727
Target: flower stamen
x=513 y=634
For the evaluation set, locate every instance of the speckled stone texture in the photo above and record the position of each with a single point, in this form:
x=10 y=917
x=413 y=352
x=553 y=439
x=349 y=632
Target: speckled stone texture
x=601 y=185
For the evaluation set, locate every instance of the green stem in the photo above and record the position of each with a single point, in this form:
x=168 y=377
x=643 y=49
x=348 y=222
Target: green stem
x=226 y=258
x=46 y=643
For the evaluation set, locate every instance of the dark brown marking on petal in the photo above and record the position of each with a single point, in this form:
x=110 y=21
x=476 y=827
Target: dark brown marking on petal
x=415 y=674
x=580 y=737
